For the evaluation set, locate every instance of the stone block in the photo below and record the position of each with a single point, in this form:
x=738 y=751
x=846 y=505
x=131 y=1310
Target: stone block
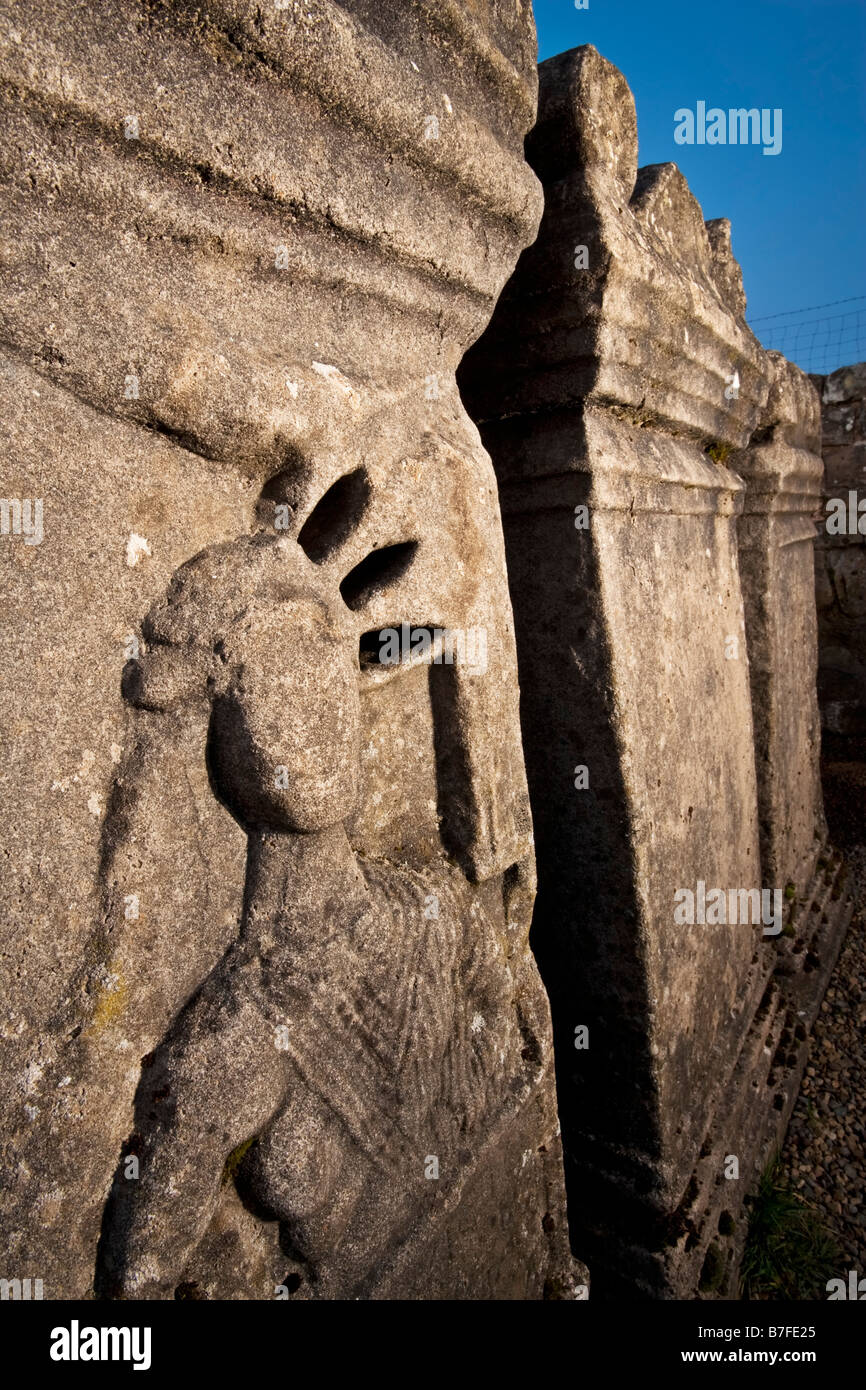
x=274 y=1027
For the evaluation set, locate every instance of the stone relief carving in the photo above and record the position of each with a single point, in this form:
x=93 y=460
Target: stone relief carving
x=357 y=1043
x=241 y=274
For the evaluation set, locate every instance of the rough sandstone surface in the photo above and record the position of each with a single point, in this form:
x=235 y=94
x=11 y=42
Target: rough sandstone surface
x=782 y=470
x=657 y=472
x=267 y=901
x=841 y=562
x=272 y=1020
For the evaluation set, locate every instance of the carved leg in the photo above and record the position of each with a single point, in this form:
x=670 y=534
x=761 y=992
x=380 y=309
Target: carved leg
x=215 y=1083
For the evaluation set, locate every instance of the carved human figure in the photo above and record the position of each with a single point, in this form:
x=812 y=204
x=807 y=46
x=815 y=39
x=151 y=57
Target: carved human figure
x=350 y=1032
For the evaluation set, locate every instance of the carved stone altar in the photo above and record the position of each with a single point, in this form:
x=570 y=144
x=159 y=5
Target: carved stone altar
x=267 y=960
x=657 y=470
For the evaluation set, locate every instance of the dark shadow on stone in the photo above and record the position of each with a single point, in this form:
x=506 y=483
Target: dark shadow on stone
x=375 y=572
x=335 y=516
x=456 y=807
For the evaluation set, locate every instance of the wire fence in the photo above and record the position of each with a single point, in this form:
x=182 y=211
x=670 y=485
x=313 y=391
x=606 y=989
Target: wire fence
x=817 y=345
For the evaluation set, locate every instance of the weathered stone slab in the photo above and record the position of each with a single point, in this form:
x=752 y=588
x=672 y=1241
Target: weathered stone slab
x=841 y=562
x=783 y=472
x=615 y=388
x=268 y=899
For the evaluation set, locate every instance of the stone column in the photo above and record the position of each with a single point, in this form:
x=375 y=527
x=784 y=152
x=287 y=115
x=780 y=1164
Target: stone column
x=268 y=894
x=614 y=388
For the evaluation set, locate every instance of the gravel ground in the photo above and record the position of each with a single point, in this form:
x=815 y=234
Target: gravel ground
x=824 y=1155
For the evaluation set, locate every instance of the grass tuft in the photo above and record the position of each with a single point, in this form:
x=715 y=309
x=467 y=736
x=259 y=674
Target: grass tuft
x=789 y=1252
x=720 y=452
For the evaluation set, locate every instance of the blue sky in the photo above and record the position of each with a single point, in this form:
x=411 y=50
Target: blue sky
x=798 y=218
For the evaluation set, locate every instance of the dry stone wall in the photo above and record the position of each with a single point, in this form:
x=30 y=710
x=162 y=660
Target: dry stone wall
x=658 y=471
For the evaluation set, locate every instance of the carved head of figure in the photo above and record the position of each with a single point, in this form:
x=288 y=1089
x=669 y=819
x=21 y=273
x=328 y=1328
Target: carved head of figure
x=250 y=626
x=283 y=744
